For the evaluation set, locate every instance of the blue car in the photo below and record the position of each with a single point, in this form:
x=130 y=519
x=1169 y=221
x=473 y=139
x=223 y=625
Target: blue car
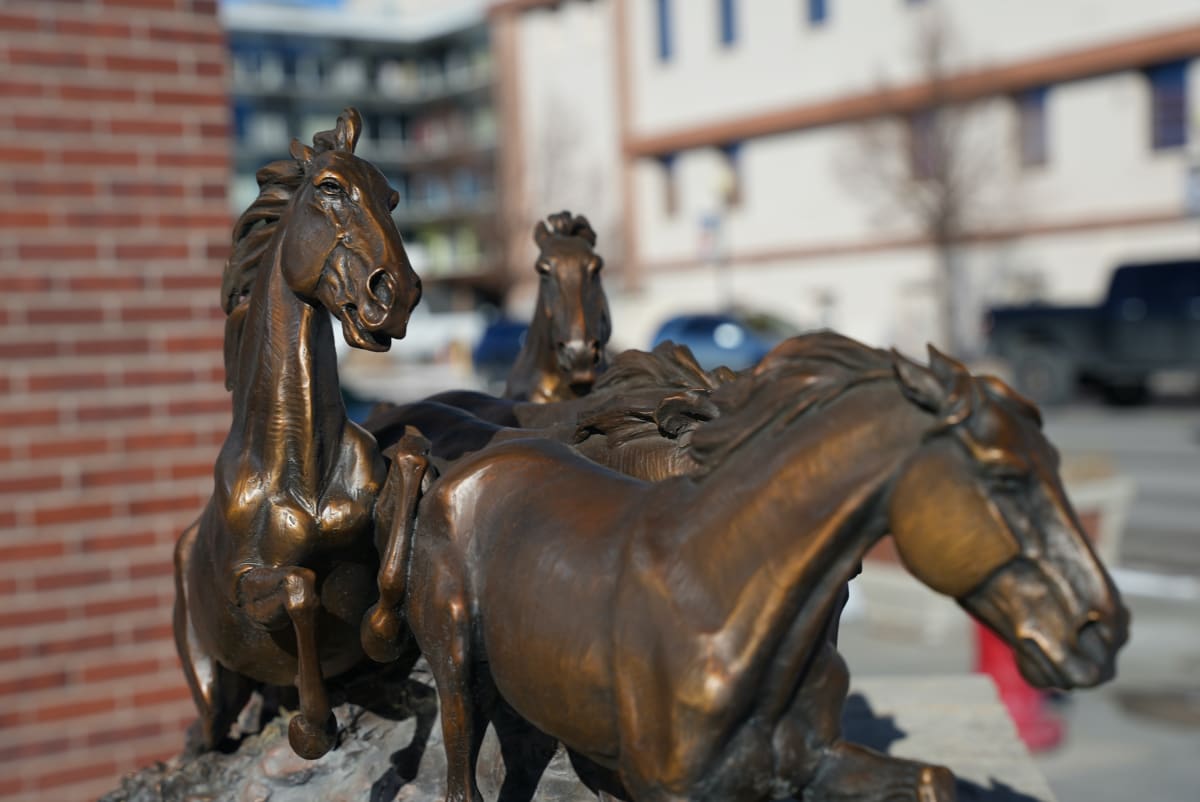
x=737 y=341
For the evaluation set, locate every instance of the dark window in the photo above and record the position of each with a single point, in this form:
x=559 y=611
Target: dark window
x=732 y=191
x=818 y=12
x=670 y=193
x=1031 y=127
x=664 y=29
x=728 y=21
x=922 y=144
x=1168 y=105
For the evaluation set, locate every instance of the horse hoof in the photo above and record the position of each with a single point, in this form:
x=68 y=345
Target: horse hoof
x=381 y=635
x=310 y=741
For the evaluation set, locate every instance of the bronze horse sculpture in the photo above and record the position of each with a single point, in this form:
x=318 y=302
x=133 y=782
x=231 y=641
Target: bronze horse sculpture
x=673 y=634
x=274 y=578
x=564 y=347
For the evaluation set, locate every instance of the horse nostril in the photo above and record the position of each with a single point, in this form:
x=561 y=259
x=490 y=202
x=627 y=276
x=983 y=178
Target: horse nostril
x=1095 y=641
x=596 y=352
x=379 y=285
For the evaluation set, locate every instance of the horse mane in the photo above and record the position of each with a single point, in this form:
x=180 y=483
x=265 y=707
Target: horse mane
x=798 y=376
x=565 y=224
x=629 y=394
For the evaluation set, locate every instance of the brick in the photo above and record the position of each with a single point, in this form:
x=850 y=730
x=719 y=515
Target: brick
x=10 y=653
x=90 y=380
x=175 y=693
x=35 y=682
x=159 y=33
x=126 y=540
x=200 y=406
x=87 y=157
x=192 y=470
x=149 y=65
x=112 y=346
x=22 y=218
x=217 y=250
x=77 y=645
x=54 y=188
x=106 y=283
x=146 y=189
x=72 y=579
x=27 y=350
x=30 y=484
x=119 y=606
x=31 y=749
x=154 y=441
x=71 y=447
x=46 y=57
x=217 y=159
x=152 y=250
x=76 y=774
x=50 y=124
x=178 y=344
x=152 y=506
x=113 y=412
x=63 y=314
x=192 y=99
x=154 y=632
x=101 y=28
x=18 y=418
x=16 y=619
x=16 y=22
x=152 y=569
x=91 y=94
x=116 y=735
x=12 y=88
x=210 y=69
x=163 y=5
x=143 y=314
x=110 y=477
x=159 y=376
x=218 y=220
x=128 y=127
x=31 y=550
x=72 y=513
x=24 y=283
x=56 y=251
x=120 y=670
x=26 y=157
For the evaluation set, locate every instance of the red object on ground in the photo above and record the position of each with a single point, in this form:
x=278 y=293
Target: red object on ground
x=1039 y=727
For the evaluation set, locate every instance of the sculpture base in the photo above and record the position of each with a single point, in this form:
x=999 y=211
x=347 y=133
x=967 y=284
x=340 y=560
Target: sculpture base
x=396 y=753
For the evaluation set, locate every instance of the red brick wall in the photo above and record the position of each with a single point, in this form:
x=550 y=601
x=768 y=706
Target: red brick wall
x=113 y=227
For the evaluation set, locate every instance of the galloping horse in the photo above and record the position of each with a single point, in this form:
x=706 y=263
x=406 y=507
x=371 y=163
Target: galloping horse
x=674 y=632
x=564 y=347
x=274 y=578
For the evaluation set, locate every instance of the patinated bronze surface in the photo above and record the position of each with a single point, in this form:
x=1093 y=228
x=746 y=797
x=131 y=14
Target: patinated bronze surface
x=674 y=635
x=563 y=350
x=274 y=578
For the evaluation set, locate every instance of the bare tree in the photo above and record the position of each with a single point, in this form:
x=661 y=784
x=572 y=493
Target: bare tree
x=922 y=163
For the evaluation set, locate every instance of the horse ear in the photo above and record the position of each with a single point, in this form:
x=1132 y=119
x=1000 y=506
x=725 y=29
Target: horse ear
x=349 y=128
x=919 y=384
x=680 y=413
x=947 y=369
x=301 y=152
x=541 y=233
x=584 y=230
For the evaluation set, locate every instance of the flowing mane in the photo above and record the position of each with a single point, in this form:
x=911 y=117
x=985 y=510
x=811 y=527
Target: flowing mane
x=629 y=395
x=799 y=375
x=565 y=224
x=253 y=230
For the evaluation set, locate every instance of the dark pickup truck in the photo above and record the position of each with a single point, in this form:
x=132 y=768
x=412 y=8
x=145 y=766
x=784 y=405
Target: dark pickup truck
x=1150 y=321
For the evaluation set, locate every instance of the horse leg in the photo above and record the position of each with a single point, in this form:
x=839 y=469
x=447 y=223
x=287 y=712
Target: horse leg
x=851 y=772
x=313 y=730
x=525 y=749
x=381 y=627
x=219 y=694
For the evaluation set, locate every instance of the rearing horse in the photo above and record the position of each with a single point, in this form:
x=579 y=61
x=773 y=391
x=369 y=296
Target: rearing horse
x=564 y=347
x=273 y=580
x=675 y=632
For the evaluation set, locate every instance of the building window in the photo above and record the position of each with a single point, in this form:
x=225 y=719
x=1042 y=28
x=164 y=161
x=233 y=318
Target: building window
x=731 y=178
x=922 y=144
x=1168 y=105
x=670 y=181
x=1031 y=127
x=664 y=29
x=728 y=24
x=818 y=12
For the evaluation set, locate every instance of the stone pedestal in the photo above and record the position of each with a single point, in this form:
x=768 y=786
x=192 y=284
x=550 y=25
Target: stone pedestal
x=396 y=753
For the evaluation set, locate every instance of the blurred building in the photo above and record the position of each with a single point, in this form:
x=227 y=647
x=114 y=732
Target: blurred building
x=832 y=161
x=420 y=73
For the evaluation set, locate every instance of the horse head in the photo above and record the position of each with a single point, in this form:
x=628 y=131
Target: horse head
x=979 y=513
x=341 y=247
x=571 y=299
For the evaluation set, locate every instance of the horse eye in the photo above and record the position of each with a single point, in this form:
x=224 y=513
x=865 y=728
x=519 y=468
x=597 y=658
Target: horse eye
x=330 y=187
x=542 y=267
x=595 y=265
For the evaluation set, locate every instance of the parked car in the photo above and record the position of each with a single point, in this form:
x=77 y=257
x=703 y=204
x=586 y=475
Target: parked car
x=1148 y=322
x=497 y=349
x=736 y=340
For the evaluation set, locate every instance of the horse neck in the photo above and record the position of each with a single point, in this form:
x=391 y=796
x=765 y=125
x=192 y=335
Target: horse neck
x=790 y=514
x=537 y=357
x=287 y=410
